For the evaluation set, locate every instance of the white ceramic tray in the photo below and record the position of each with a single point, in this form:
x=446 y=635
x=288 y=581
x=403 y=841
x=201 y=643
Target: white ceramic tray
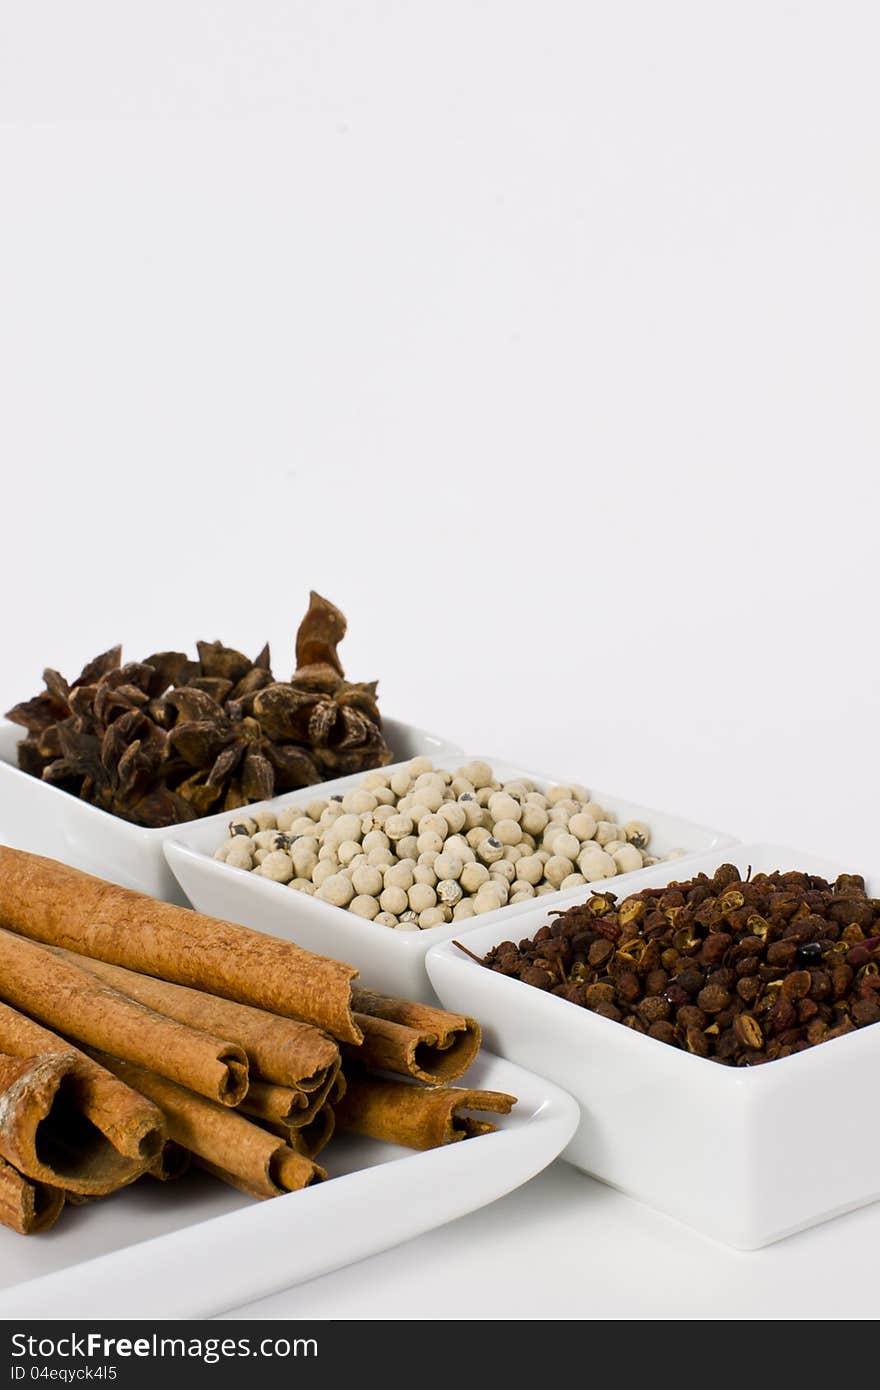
x=746 y=1155
x=194 y=1248
x=393 y=961
x=46 y=820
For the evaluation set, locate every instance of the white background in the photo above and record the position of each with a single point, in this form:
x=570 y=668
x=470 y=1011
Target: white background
x=543 y=338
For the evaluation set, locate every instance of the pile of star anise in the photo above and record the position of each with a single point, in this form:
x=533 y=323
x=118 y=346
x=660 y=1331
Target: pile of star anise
x=169 y=739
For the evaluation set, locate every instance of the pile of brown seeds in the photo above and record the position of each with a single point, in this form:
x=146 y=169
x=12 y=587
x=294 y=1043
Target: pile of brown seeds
x=739 y=971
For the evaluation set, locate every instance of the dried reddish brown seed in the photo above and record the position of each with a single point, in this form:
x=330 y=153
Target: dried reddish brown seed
x=748 y=1031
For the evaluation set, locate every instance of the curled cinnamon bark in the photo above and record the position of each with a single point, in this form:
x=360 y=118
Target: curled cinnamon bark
x=56 y=992
x=281 y=1050
x=124 y=1133
x=416 y=1116
x=248 y=1156
x=27 y=1207
x=413 y=1039
x=60 y=906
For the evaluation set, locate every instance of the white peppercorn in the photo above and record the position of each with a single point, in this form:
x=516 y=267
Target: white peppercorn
x=359 y=801
x=449 y=891
x=385 y=919
x=463 y=910
x=638 y=833
x=488 y=899
x=560 y=793
x=490 y=850
x=423 y=873
x=573 y=881
x=278 y=866
x=557 y=868
x=473 y=876
x=324 y=869
x=400 y=782
x=337 y=889
x=430 y=840
x=367 y=881
x=627 y=858
x=530 y=869
x=477 y=772
x=398 y=827
x=260 y=855
x=507 y=831
x=347 y=851
x=454 y=815
x=605 y=830
x=421 y=897
x=462 y=786
x=416 y=766
x=534 y=818
x=243 y=825
x=302 y=885
x=521 y=889
x=373 y=780
x=399 y=876
x=240 y=858
x=380 y=858
x=433 y=824
x=504 y=807
x=448 y=865
x=376 y=839
x=393 y=899
x=364 y=906
x=502 y=868
x=582 y=826
x=566 y=845
x=595 y=864
x=430 y=797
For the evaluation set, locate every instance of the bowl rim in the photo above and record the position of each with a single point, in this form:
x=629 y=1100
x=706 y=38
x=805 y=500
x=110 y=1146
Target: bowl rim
x=418 y=942
x=734 y=1078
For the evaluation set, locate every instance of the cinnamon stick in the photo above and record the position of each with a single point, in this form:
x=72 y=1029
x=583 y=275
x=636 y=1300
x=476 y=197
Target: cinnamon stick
x=221 y=1137
x=418 y=1117
x=413 y=1039
x=58 y=993
x=281 y=1050
x=124 y=1133
x=61 y=906
x=27 y=1207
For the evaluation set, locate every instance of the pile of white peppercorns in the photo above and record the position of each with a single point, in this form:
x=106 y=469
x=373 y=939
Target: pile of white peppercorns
x=413 y=847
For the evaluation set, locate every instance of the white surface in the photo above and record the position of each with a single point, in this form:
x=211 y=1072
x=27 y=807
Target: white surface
x=577 y=306
x=788 y=1144
x=98 y=1260
x=389 y=960
x=44 y=819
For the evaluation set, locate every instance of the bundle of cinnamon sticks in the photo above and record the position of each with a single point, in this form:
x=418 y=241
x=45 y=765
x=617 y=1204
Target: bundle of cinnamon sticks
x=138 y=1038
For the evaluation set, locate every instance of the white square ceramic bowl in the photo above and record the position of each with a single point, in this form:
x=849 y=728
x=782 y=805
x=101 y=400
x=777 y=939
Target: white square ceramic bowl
x=746 y=1155
x=390 y=960
x=46 y=820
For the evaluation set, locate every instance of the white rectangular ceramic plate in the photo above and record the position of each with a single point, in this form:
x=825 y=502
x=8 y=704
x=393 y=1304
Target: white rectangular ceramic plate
x=46 y=820
x=195 y=1247
x=745 y=1154
x=393 y=961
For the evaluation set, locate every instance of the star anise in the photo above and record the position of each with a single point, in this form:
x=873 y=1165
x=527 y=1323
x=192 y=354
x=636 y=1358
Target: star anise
x=169 y=739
